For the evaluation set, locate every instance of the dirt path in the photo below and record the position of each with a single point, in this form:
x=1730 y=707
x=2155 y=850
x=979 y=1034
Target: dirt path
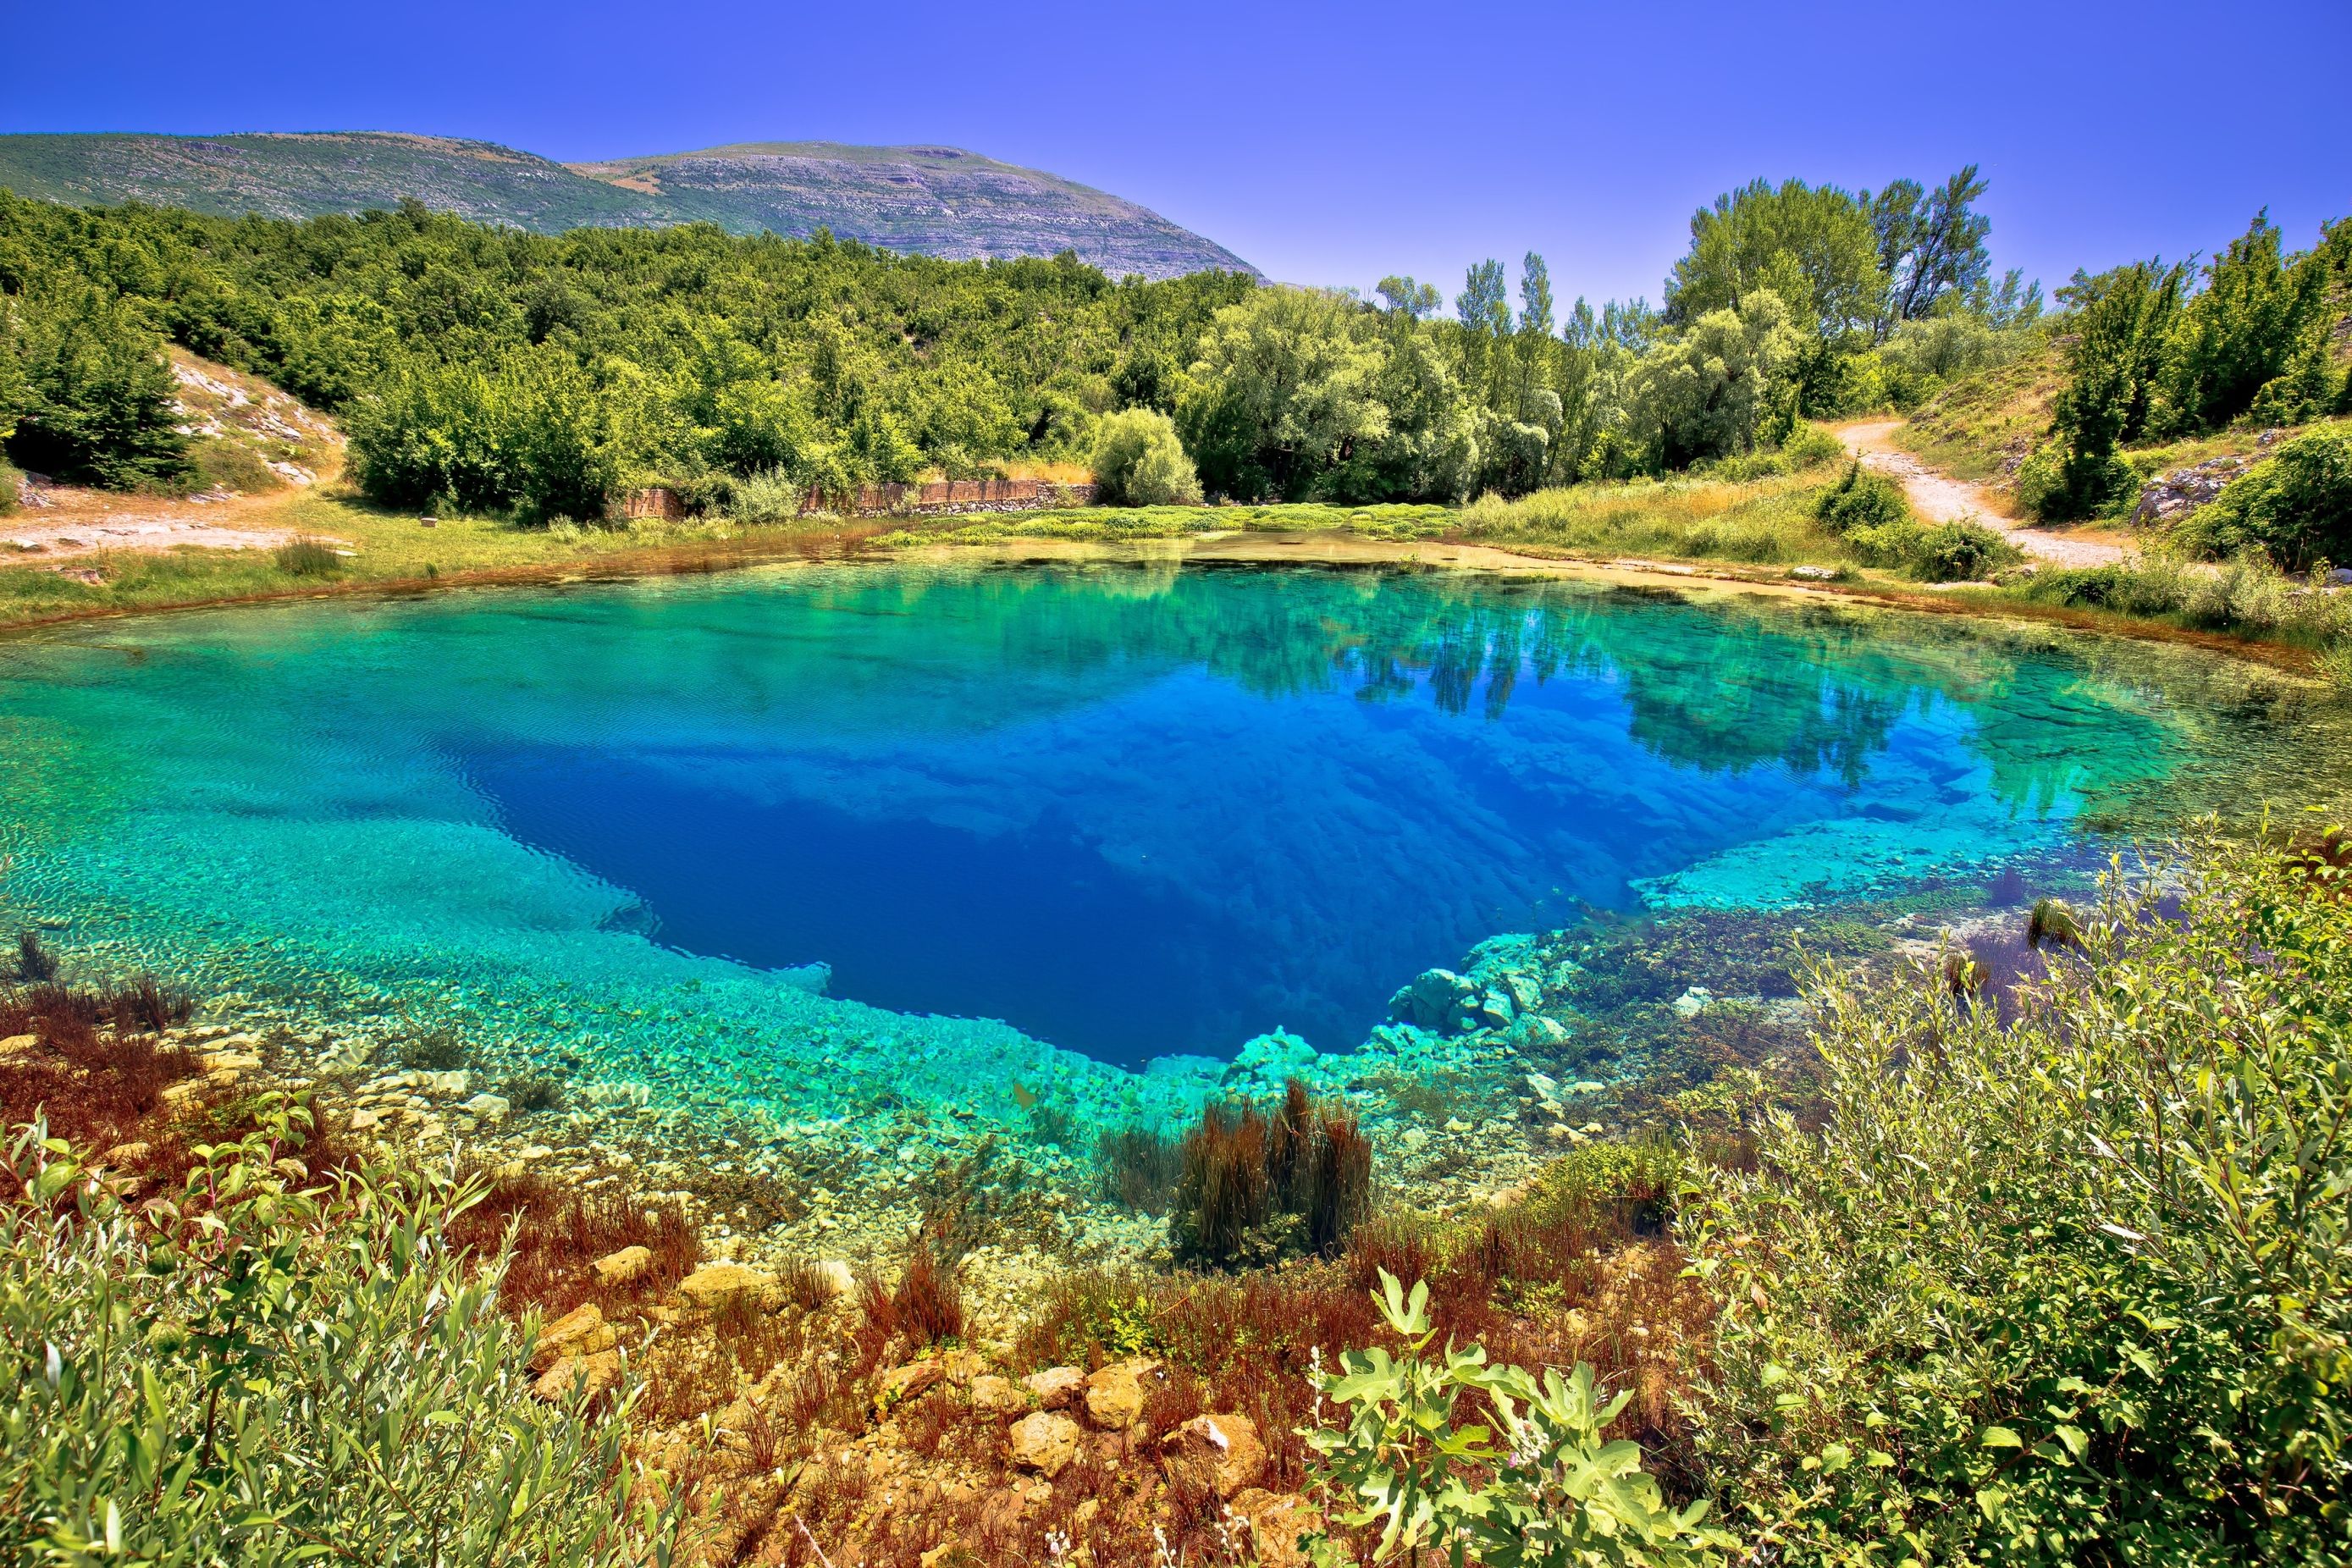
x=1939 y=498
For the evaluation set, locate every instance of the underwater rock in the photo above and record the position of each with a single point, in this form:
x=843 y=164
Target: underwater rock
x=1043 y=1441
x=588 y=1375
x=912 y=1381
x=625 y=1267
x=17 y=1045
x=1533 y=1030
x=488 y=1107
x=1115 y=1394
x=1056 y=1387
x=994 y=1396
x=1693 y=1002
x=579 y=1332
x=1436 y=999
x=835 y=1275
x=1220 y=1453
x=715 y=1285
x=1275 y=1522
x=1268 y=1061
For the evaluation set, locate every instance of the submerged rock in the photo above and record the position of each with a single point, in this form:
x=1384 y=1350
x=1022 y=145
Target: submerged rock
x=579 y=1332
x=625 y=1267
x=1115 y=1394
x=1044 y=1441
x=715 y=1285
x=1056 y=1387
x=1220 y=1453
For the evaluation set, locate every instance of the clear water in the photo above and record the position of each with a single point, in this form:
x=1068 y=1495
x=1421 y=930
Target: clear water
x=1043 y=826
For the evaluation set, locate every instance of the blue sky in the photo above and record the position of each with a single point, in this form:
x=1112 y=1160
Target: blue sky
x=1326 y=144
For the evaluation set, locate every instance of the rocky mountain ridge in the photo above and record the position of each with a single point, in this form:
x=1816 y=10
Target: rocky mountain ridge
x=934 y=201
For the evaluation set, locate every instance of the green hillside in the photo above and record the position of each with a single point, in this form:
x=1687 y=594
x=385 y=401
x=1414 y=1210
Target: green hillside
x=934 y=201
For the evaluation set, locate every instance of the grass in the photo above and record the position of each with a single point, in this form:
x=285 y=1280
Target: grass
x=1981 y=426
x=1102 y=523
x=1767 y=521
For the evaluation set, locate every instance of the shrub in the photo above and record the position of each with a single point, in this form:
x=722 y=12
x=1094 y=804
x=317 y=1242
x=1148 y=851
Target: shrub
x=2074 y=1288
x=1957 y=553
x=2295 y=505
x=1808 y=446
x=1254 y=1187
x=1541 y=1488
x=255 y=1374
x=1863 y=500
x=772 y=495
x=306 y=558
x=1140 y=461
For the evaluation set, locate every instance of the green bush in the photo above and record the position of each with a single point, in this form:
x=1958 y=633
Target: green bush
x=1957 y=553
x=2295 y=505
x=261 y=1374
x=1863 y=500
x=2072 y=1289
x=1871 y=513
x=771 y=495
x=97 y=398
x=306 y=558
x=1140 y=461
x=1543 y=1487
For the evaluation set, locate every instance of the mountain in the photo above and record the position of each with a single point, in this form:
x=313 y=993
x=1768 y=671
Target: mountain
x=937 y=201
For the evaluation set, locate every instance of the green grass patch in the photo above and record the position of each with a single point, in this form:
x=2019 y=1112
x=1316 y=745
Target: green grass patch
x=1113 y=524
x=1767 y=521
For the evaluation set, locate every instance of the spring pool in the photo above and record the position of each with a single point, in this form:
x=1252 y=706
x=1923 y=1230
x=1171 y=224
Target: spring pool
x=814 y=842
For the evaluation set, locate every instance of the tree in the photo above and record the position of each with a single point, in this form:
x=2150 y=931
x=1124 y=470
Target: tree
x=2239 y=333
x=1719 y=386
x=1418 y=300
x=1930 y=244
x=1430 y=451
x=96 y=401
x=1284 y=388
x=2122 y=318
x=1811 y=245
x=1140 y=461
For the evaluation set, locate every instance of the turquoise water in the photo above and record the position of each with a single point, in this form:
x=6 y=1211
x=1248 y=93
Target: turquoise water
x=800 y=842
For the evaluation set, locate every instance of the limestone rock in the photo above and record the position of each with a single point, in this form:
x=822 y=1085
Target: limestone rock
x=591 y=1375
x=579 y=1332
x=994 y=1396
x=911 y=1381
x=17 y=1045
x=126 y=1154
x=1219 y=1452
x=717 y=1285
x=1435 y=999
x=227 y=1066
x=838 y=1280
x=365 y=1119
x=1044 y=1441
x=1115 y=1394
x=1056 y=1387
x=962 y=1366
x=488 y=1107
x=625 y=1267
x=1275 y=1522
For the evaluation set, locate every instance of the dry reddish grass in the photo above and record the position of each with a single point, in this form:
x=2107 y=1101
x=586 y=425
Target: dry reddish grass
x=560 y=1233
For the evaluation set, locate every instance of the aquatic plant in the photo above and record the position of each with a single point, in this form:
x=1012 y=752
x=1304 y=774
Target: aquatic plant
x=433 y=1050
x=1252 y=1188
x=33 y=962
x=1138 y=1168
x=146 y=1002
x=2052 y=924
x=533 y=1093
x=925 y=1307
x=550 y=1235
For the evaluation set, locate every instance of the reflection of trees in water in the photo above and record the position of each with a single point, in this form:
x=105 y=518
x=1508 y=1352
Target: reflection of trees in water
x=1721 y=685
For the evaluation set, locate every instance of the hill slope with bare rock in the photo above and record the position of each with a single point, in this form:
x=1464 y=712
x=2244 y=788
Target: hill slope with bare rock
x=934 y=201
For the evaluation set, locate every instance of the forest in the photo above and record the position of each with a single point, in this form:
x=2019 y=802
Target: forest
x=486 y=368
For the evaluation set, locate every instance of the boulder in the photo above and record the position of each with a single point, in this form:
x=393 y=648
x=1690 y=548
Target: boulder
x=1275 y=1522
x=836 y=1278
x=1056 y=1387
x=1115 y=1396
x=994 y=1396
x=17 y=1045
x=1435 y=999
x=625 y=1267
x=1044 y=1441
x=717 y=1285
x=580 y=1332
x=488 y=1106
x=588 y=1375
x=1220 y=1454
